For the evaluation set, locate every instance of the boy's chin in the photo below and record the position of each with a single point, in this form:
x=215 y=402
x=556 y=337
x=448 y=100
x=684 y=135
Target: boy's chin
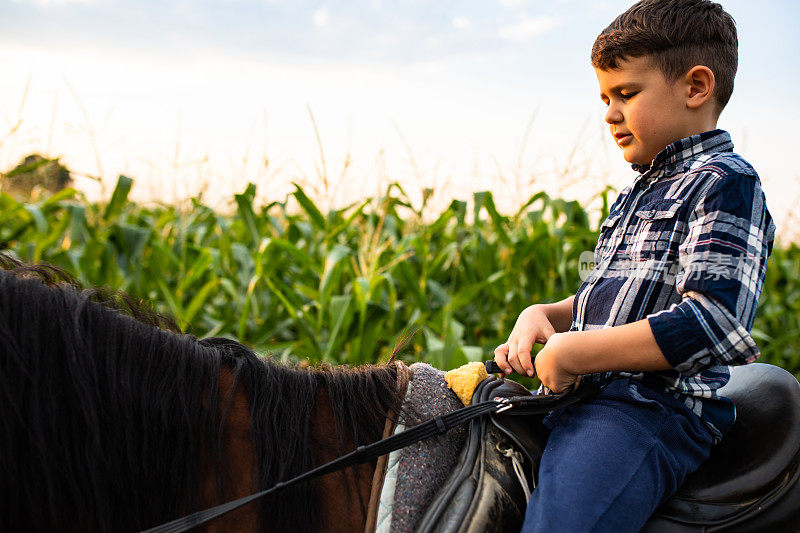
x=635 y=159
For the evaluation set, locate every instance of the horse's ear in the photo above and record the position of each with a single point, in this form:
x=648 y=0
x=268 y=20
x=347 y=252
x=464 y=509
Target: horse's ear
x=402 y=342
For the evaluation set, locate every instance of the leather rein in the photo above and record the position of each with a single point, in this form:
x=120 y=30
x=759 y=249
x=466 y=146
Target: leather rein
x=517 y=405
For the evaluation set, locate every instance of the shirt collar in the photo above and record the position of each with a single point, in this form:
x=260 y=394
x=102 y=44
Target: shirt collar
x=682 y=152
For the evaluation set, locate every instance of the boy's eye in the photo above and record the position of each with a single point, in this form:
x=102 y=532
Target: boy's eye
x=627 y=96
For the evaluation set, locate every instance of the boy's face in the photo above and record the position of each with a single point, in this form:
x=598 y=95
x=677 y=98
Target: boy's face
x=645 y=111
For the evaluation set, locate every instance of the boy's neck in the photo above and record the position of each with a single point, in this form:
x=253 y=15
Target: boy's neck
x=704 y=126
x=700 y=124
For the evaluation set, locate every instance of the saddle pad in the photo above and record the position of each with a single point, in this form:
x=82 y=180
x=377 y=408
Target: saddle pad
x=416 y=472
x=386 y=504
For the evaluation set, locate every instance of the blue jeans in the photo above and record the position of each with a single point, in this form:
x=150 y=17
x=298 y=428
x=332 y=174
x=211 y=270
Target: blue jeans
x=610 y=461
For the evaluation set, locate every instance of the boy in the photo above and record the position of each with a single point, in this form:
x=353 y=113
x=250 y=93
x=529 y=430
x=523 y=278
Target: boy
x=680 y=263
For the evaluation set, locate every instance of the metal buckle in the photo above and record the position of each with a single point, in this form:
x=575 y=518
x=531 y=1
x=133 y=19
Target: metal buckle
x=505 y=404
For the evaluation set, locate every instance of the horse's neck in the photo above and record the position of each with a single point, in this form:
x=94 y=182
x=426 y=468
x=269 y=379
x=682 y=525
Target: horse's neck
x=343 y=495
x=238 y=457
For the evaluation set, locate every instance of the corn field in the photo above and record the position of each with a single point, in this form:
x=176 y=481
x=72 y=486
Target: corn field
x=347 y=285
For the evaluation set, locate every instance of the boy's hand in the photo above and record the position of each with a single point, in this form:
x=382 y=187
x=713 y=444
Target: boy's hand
x=550 y=363
x=532 y=326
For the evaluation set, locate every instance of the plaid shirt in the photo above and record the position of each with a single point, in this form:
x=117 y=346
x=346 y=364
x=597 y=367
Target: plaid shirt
x=685 y=246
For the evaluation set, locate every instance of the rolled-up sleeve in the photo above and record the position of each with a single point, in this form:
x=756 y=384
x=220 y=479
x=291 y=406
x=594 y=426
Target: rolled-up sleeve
x=723 y=263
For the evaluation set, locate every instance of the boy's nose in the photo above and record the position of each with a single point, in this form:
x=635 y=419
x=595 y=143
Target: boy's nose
x=613 y=116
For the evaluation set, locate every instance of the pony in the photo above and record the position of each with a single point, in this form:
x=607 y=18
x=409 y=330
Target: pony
x=111 y=419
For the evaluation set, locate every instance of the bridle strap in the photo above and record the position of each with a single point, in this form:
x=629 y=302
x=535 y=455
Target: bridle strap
x=435 y=426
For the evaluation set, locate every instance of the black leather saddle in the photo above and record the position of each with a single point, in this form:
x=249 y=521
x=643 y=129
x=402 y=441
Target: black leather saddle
x=750 y=482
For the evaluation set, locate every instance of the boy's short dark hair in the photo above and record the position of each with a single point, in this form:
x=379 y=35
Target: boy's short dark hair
x=676 y=35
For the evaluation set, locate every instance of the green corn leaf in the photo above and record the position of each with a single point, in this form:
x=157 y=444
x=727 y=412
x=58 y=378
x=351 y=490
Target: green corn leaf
x=198 y=300
x=199 y=267
x=167 y=295
x=485 y=200
x=332 y=261
x=131 y=242
x=244 y=206
x=38 y=218
x=79 y=232
x=340 y=316
x=118 y=198
x=308 y=206
x=56 y=198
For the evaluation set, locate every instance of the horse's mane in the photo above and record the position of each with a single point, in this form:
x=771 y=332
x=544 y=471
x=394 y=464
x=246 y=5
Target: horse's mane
x=105 y=418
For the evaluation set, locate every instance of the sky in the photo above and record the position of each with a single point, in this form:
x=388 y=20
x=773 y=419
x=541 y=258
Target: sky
x=345 y=97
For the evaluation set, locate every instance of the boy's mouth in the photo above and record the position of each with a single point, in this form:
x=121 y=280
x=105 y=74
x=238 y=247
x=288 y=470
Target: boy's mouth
x=623 y=138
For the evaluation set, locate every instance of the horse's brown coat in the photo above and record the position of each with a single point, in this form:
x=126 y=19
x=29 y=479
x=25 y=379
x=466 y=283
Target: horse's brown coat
x=238 y=450
x=343 y=496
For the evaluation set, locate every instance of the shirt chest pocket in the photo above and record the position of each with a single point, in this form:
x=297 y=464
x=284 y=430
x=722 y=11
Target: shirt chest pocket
x=659 y=209
x=610 y=221
x=605 y=243
x=656 y=228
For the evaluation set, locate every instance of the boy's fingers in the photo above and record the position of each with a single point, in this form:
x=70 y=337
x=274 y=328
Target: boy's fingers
x=516 y=365
x=526 y=362
x=513 y=357
x=512 y=347
x=501 y=358
x=524 y=354
x=501 y=352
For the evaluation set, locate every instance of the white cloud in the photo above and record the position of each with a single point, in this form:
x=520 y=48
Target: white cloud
x=461 y=23
x=527 y=28
x=51 y=3
x=322 y=17
x=512 y=4
x=386 y=39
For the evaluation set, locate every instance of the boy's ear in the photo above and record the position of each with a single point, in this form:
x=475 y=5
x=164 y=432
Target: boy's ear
x=699 y=86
